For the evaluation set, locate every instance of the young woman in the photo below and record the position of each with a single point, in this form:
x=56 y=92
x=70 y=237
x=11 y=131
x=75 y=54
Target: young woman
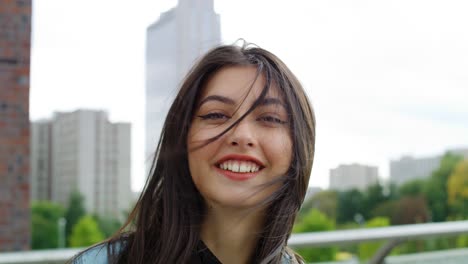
x=231 y=168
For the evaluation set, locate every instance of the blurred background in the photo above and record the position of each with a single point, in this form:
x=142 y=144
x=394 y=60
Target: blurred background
x=85 y=86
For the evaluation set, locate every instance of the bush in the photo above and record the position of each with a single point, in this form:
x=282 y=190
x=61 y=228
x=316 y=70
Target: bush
x=44 y=224
x=86 y=232
x=312 y=222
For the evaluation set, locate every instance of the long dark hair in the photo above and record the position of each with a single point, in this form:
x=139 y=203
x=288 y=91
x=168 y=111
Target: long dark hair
x=164 y=226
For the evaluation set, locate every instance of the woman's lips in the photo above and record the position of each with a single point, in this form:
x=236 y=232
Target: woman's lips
x=240 y=158
x=237 y=176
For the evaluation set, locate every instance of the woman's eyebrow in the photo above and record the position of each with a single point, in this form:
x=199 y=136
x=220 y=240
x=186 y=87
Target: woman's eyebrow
x=218 y=98
x=223 y=99
x=272 y=101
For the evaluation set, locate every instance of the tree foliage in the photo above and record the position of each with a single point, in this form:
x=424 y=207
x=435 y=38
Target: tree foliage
x=350 y=203
x=457 y=189
x=373 y=196
x=435 y=188
x=107 y=225
x=386 y=209
x=86 y=232
x=412 y=188
x=44 y=224
x=75 y=211
x=312 y=222
x=410 y=210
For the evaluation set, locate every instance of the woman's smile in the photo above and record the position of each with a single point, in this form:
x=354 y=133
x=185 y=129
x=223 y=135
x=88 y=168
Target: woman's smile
x=239 y=167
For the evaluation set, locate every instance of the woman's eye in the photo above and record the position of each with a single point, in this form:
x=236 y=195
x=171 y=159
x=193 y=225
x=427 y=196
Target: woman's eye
x=213 y=116
x=272 y=119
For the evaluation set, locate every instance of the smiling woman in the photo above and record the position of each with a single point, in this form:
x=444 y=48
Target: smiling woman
x=231 y=170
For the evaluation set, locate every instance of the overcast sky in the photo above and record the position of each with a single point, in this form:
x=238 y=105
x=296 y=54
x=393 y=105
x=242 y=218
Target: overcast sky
x=386 y=78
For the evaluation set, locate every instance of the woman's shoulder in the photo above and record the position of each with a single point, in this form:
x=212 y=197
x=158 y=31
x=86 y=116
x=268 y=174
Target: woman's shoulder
x=97 y=254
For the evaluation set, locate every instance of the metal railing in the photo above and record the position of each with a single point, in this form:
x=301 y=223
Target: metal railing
x=403 y=232
x=393 y=234
x=50 y=256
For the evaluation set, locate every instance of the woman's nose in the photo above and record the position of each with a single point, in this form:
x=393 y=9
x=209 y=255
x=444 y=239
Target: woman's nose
x=242 y=135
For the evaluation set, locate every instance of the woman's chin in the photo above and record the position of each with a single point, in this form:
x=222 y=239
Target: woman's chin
x=237 y=200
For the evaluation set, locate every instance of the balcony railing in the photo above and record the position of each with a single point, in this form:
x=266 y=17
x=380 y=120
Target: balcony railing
x=393 y=234
x=401 y=232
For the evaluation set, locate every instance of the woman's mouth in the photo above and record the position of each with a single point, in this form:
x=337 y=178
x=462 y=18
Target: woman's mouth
x=239 y=169
x=239 y=166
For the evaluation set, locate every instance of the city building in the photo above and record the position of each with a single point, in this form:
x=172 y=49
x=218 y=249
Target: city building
x=408 y=168
x=41 y=169
x=15 y=44
x=353 y=176
x=85 y=153
x=173 y=44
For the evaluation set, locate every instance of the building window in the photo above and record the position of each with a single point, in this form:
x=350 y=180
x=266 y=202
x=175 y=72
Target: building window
x=3 y=106
x=23 y=80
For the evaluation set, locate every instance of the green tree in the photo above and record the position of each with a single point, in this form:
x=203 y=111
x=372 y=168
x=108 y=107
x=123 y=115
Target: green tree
x=350 y=203
x=412 y=188
x=74 y=212
x=312 y=222
x=44 y=224
x=386 y=209
x=367 y=250
x=86 y=232
x=373 y=196
x=410 y=210
x=107 y=225
x=457 y=189
x=435 y=188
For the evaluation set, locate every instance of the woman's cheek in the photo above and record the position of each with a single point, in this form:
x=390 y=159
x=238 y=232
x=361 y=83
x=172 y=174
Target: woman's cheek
x=205 y=131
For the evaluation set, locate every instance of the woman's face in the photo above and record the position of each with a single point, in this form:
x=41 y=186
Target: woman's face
x=229 y=172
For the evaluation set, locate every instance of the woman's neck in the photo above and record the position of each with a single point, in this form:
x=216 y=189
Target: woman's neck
x=231 y=234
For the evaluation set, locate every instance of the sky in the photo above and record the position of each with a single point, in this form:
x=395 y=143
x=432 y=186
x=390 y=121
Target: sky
x=386 y=78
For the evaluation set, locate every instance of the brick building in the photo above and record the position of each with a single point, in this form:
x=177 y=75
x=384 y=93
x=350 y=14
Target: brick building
x=15 y=40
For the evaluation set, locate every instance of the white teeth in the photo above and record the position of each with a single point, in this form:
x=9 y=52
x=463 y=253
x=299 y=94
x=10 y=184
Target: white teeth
x=254 y=169
x=248 y=167
x=239 y=166
x=235 y=167
x=243 y=167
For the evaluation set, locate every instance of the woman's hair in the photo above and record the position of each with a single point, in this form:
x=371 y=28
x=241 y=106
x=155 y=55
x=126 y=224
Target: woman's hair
x=164 y=226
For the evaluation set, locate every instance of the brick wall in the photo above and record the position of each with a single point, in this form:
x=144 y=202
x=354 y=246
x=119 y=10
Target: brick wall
x=15 y=32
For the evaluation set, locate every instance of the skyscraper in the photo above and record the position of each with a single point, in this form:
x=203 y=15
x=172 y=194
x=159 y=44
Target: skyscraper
x=85 y=153
x=174 y=42
x=15 y=40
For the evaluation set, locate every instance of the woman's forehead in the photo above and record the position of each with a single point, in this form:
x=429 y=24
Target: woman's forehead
x=235 y=82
